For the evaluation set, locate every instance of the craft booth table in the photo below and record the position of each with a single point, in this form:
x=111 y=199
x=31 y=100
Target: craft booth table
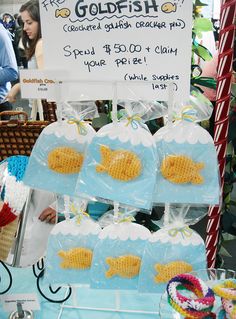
x=106 y=265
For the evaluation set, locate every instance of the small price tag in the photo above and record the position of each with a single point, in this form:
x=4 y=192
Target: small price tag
x=37 y=84
x=28 y=301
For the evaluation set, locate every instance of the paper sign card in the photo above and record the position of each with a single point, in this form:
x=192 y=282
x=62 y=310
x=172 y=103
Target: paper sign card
x=37 y=84
x=28 y=301
x=126 y=40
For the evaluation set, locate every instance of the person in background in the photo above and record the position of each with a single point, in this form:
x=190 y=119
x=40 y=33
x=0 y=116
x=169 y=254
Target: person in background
x=18 y=45
x=8 y=69
x=32 y=42
x=9 y=23
x=49 y=214
x=15 y=16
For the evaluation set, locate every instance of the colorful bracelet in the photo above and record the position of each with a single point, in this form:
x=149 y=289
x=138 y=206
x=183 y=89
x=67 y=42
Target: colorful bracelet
x=191 y=308
x=226 y=290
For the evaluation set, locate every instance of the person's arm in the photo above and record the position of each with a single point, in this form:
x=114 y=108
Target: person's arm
x=11 y=96
x=8 y=65
x=39 y=54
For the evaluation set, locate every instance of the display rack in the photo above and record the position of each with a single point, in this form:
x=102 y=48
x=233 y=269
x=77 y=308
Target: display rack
x=114 y=87
x=52 y=291
x=117 y=304
x=71 y=290
x=38 y=267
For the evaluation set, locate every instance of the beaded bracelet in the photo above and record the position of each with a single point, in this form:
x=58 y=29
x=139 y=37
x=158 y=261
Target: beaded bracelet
x=226 y=290
x=191 y=308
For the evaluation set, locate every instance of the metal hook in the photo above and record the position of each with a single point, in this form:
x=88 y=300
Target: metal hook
x=51 y=290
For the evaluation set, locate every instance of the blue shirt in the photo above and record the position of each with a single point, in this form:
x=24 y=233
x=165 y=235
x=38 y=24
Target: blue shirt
x=8 y=65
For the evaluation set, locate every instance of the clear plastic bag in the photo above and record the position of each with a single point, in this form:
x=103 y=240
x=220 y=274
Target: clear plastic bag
x=87 y=110
x=203 y=108
x=148 y=110
x=172 y=250
x=108 y=218
x=70 y=250
x=188 y=171
x=121 y=163
x=58 y=154
x=118 y=255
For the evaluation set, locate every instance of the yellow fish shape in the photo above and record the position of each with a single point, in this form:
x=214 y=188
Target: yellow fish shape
x=119 y=164
x=124 y=266
x=168 y=271
x=181 y=169
x=65 y=160
x=63 y=13
x=168 y=7
x=76 y=258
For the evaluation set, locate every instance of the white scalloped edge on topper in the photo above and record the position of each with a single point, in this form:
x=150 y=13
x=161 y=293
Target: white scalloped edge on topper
x=125 y=231
x=164 y=237
x=71 y=227
x=125 y=133
x=183 y=132
x=70 y=131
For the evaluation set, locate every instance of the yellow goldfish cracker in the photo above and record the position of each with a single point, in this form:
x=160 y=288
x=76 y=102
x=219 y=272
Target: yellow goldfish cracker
x=76 y=258
x=168 y=7
x=63 y=13
x=181 y=169
x=124 y=266
x=65 y=160
x=119 y=164
x=167 y=271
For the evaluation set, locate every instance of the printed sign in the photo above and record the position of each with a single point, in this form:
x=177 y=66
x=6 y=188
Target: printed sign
x=37 y=84
x=123 y=41
x=28 y=301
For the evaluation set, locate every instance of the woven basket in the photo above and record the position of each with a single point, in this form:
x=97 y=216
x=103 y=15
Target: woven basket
x=49 y=111
x=18 y=136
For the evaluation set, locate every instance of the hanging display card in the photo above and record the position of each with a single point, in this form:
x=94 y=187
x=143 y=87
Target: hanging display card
x=115 y=41
x=38 y=84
